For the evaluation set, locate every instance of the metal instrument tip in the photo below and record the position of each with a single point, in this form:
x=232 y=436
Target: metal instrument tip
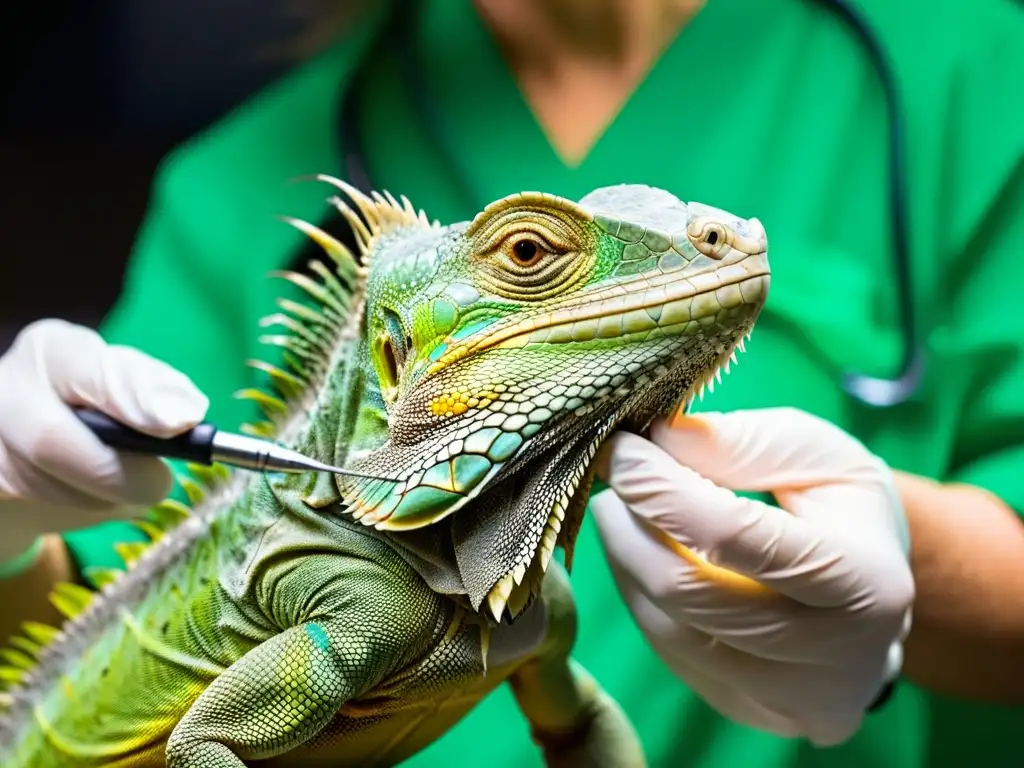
x=262 y=455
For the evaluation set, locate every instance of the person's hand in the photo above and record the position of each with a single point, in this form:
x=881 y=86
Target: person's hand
x=54 y=473
x=804 y=639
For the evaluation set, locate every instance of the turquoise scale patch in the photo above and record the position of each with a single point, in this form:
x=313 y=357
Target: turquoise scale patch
x=671 y=260
x=387 y=506
x=630 y=232
x=538 y=416
x=439 y=476
x=469 y=470
x=636 y=252
x=424 y=502
x=480 y=441
x=506 y=444
x=656 y=241
x=470 y=329
x=609 y=225
x=320 y=639
x=379 y=492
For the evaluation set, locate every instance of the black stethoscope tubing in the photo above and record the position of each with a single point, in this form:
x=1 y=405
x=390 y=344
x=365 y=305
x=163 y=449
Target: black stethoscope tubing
x=868 y=390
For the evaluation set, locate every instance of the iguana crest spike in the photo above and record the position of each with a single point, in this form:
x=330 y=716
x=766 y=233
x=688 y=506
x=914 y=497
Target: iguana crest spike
x=381 y=213
x=341 y=256
x=316 y=335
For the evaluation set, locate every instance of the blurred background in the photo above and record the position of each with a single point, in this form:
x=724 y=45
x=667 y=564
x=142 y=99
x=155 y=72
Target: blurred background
x=94 y=93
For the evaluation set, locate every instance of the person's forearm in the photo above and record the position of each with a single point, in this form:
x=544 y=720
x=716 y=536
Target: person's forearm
x=25 y=596
x=967 y=554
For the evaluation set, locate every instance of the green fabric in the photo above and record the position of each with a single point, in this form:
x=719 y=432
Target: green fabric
x=768 y=109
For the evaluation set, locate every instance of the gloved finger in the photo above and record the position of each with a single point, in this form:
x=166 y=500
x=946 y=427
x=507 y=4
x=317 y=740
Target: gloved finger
x=788 y=554
x=660 y=630
x=795 y=699
x=766 y=624
x=766 y=448
x=812 y=467
x=825 y=705
x=733 y=705
x=674 y=575
x=127 y=385
x=86 y=476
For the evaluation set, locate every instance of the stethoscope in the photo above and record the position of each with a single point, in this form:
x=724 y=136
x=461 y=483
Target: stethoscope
x=868 y=390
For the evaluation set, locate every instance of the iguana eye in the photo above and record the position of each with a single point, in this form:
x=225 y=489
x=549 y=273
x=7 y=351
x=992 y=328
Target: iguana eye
x=530 y=258
x=527 y=251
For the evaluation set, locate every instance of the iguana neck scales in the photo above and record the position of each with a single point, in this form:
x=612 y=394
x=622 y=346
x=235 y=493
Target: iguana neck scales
x=477 y=367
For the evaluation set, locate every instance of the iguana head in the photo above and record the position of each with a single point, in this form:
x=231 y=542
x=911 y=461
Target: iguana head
x=502 y=351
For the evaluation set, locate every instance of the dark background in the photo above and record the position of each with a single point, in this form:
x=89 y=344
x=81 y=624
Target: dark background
x=93 y=94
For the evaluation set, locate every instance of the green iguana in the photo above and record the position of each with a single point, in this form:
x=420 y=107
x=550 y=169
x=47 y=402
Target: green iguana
x=321 y=619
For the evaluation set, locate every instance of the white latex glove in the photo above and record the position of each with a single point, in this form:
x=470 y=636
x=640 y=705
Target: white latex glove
x=805 y=649
x=55 y=474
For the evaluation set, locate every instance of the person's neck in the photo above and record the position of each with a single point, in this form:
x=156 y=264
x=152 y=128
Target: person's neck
x=578 y=61
x=606 y=33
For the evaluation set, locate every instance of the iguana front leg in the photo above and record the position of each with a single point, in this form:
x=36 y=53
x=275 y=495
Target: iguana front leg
x=275 y=698
x=573 y=720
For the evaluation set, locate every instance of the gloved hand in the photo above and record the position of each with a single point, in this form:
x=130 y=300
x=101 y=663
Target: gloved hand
x=801 y=642
x=55 y=474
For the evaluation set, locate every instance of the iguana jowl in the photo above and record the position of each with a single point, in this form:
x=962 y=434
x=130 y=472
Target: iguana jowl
x=330 y=620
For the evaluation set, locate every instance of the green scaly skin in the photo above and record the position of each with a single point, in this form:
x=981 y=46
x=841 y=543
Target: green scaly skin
x=305 y=620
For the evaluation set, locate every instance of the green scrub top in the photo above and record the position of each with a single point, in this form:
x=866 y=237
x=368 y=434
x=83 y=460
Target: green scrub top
x=769 y=109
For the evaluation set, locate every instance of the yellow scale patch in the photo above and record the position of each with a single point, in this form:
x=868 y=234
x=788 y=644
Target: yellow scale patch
x=454 y=403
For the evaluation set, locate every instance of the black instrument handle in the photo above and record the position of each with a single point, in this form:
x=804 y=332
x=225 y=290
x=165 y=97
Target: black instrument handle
x=195 y=445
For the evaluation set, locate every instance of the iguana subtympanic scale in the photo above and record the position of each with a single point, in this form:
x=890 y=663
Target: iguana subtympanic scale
x=327 y=619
